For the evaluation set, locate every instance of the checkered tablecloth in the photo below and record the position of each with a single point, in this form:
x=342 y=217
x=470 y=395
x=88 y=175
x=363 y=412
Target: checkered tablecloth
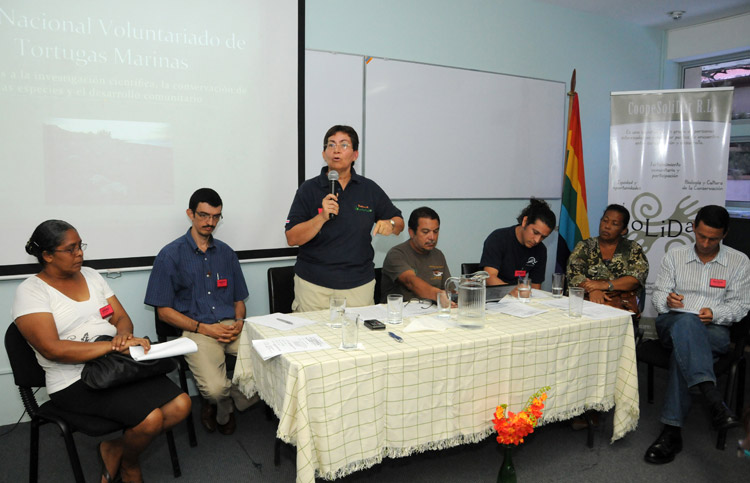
x=347 y=410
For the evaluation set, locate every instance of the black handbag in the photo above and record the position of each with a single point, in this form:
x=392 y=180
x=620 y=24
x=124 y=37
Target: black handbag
x=115 y=369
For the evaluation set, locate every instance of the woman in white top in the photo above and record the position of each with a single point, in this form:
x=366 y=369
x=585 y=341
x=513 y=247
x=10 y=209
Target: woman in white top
x=61 y=311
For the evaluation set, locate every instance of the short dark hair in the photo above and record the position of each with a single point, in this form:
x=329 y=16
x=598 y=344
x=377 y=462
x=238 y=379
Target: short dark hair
x=205 y=195
x=538 y=210
x=621 y=210
x=348 y=130
x=422 y=212
x=46 y=238
x=714 y=216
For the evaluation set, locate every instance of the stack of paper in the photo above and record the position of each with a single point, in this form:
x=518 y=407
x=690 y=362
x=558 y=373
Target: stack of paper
x=175 y=347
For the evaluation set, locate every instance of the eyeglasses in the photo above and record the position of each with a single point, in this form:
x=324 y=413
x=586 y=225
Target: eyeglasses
x=205 y=216
x=73 y=250
x=423 y=303
x=342 y=146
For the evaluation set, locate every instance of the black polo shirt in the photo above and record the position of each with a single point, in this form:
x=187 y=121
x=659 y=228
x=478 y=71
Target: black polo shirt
x=503 y=251
x=340 y=255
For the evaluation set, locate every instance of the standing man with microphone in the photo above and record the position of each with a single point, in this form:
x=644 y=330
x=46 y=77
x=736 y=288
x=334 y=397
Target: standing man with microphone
x=332 y=219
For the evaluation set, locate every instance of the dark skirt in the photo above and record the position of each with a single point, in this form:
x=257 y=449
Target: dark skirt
x=128 y=404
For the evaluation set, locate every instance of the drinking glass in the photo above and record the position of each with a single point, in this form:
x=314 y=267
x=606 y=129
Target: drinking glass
x=443 y=304
x=338 y=306
x=524 y=289
x=575 y=302
x=395 y=308
x=558 y=280
x=349 y=328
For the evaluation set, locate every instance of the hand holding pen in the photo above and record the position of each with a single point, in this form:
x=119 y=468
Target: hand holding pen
x=674 y=301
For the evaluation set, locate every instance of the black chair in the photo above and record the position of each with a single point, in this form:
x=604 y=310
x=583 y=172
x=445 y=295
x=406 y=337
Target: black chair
x=280 y=298
x=164 y=332
x=732 y=364
x=280 y=289
x=468 y=268
x=378 y=280
x=28 y=374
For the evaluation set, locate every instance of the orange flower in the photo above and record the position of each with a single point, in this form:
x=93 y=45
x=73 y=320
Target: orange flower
x=514 y=427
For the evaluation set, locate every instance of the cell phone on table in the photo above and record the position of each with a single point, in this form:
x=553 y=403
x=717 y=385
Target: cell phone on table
x=374 y=324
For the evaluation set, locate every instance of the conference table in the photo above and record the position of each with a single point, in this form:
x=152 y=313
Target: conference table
x=347 y=410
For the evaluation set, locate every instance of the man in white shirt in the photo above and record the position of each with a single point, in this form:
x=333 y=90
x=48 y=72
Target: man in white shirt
x=701 y=290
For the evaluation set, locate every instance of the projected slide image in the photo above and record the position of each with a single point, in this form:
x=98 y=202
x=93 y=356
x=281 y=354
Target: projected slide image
x=107 y=162
x=114 y=113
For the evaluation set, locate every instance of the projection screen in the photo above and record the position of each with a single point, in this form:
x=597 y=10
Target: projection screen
x=115 y=112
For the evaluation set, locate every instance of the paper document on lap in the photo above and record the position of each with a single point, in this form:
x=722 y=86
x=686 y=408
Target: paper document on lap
x=175 y=347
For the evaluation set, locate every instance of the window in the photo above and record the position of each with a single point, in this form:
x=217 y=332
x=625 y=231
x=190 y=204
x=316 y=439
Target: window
x=725 y=72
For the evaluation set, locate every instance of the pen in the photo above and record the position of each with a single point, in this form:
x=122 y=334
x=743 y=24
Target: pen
x=398 y=339
x=285 y=321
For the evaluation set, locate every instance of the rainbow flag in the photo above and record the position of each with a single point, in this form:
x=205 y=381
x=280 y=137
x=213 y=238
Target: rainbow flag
x=574 y=220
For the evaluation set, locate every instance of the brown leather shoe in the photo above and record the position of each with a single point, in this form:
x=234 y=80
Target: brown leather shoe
x=208 y=416
x=229 y=427
x=580 y=422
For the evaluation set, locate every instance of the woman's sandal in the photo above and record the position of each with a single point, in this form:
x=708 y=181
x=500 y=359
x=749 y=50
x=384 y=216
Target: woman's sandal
x=742 y=452
x=105 y=472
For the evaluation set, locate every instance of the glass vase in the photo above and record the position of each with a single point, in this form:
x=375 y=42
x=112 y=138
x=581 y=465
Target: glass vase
x=507 y=472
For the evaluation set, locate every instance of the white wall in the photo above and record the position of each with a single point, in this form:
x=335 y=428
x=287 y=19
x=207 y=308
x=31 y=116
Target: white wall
x=725 y=36
x=519 y=37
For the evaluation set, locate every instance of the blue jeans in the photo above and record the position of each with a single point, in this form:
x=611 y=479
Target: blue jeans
x=693 y=347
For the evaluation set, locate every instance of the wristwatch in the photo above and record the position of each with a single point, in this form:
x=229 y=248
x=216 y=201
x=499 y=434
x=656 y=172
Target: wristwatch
x=610 y=287
x=393 y=223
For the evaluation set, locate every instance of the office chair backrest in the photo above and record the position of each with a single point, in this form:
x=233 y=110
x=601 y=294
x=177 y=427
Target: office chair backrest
x=739 y=332
x=280 y=289
x=26 y=369
x=163 y=330
x=467 y=268
x=378 y=279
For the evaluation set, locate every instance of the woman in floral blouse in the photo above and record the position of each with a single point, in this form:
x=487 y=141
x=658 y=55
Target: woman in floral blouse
x=610 y=268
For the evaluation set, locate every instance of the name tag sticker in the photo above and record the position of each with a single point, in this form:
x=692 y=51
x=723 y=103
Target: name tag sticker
x=718 y=283
x=106 y=311
x=520 y=273
x=221 y=282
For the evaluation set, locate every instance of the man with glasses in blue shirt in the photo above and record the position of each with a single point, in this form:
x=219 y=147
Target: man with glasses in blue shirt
x=196 y=285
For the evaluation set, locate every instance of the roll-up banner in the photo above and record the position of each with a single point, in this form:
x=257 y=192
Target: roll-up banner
x=668 y=157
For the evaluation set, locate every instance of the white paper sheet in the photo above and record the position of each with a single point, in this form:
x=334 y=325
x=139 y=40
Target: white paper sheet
x=268 y=348
x=378 y=312
x=685 y=311
x=515 y=309
x=174 y=347
x=280 y=321
x=430 y=324
x=600 y=311
x=559 y=303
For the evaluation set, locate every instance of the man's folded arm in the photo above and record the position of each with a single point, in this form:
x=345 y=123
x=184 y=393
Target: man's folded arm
x=421 y=289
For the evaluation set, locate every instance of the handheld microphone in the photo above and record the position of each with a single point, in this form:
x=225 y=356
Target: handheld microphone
x=333 y=176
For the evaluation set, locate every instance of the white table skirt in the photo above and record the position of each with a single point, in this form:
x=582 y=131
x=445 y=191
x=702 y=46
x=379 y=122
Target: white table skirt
x=347 y=410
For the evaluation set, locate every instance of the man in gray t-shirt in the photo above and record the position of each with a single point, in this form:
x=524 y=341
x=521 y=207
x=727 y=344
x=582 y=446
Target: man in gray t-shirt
x=415 y=268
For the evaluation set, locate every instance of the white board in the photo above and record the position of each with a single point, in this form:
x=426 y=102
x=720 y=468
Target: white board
x=334 y=94
x=438 y=132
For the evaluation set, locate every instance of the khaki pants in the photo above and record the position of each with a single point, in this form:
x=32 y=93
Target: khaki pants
x=309 y=297
x=208 y=366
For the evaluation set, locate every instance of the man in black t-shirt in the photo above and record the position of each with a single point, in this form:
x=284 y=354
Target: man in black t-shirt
x=517 y=251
